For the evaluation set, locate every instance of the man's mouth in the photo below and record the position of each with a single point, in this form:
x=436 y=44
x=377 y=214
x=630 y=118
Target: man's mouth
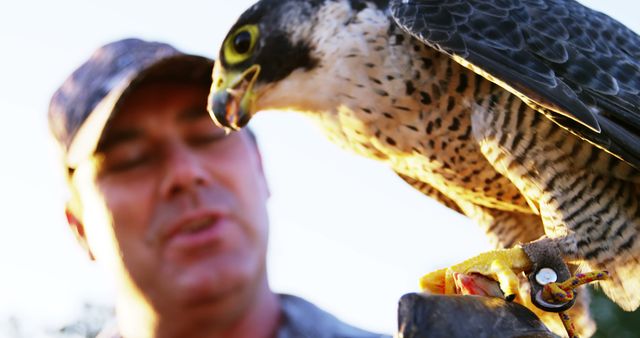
x=198 y=225
x=196 y=231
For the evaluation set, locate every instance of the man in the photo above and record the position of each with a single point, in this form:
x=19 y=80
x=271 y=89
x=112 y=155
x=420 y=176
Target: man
x=172 y=205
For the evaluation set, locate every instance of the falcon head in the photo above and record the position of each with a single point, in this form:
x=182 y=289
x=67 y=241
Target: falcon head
x=273 y=58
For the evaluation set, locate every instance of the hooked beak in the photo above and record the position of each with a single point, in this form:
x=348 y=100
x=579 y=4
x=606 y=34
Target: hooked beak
x=231 y=100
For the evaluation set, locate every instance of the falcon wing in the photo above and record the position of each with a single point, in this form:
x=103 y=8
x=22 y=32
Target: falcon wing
x=577 y=66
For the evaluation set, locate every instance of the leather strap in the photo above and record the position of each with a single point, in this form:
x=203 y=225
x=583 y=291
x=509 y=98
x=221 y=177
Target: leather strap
x=544 y=253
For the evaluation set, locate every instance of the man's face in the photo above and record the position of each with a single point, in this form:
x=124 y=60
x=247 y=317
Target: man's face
x=171 y=203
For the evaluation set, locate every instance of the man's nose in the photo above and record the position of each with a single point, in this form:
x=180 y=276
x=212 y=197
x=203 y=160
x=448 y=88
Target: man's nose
x=184 y=172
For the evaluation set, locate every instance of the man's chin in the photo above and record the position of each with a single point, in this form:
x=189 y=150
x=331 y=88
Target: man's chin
x=209 y=282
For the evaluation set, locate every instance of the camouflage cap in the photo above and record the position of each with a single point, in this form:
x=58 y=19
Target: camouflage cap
x=82 y=106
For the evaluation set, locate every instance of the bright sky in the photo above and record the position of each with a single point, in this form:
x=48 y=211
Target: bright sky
x=346 y=233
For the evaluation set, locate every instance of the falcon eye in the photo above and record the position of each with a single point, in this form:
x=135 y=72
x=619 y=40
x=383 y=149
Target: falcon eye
x=240 y=44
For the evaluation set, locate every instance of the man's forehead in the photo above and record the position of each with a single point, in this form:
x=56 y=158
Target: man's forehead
x=152 y=108
x=122 y=129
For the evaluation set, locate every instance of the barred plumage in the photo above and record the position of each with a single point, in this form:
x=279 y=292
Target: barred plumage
x=522 y=114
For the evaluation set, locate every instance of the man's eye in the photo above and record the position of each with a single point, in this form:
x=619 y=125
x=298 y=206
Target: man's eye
x=130 y=164
x=205 y=139
x=124 y=159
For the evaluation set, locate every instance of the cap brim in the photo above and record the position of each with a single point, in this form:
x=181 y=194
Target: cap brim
x=181 y=67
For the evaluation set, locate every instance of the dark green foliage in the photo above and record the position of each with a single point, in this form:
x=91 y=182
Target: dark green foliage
x=611 y=320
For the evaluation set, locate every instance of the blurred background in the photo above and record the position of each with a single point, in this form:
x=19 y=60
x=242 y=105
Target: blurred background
x=346 y=233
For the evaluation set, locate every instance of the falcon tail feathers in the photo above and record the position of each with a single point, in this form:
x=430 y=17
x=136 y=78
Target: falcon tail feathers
x=624 y=286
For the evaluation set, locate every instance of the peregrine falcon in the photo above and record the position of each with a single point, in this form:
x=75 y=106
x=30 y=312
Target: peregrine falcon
x=523 y=115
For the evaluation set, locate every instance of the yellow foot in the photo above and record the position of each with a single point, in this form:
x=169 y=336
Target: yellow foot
x=499 y=265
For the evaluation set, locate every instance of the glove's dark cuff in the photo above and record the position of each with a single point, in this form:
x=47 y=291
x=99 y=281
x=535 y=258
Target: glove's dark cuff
x=457 y=316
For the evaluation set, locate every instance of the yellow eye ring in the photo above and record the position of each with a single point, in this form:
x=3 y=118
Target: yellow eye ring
x=239 y=45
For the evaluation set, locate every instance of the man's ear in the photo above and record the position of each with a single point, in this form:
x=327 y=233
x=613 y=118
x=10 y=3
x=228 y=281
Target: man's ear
x=77 y=227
